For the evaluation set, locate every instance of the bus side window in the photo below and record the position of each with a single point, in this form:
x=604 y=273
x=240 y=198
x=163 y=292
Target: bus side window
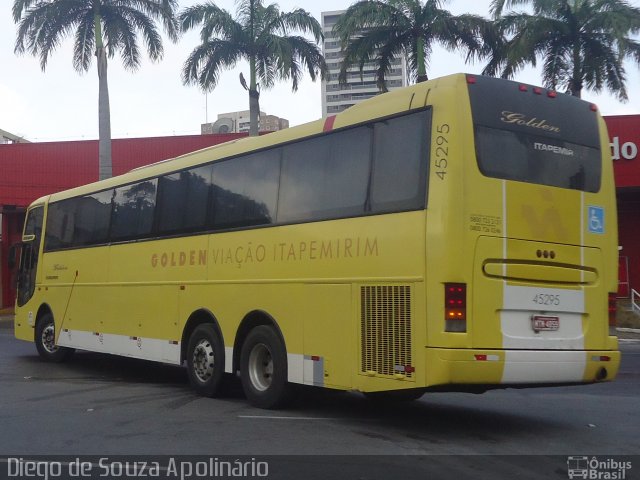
x=245 y=190
x=401 y=151
x=182 y=200
x=133 y=210
x=325 y=177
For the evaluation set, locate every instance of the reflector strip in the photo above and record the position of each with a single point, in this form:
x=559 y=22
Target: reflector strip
x=487 y=358
x=600 y=358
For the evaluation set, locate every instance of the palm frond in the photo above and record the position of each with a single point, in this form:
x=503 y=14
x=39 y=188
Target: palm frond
x=121 y=27
x=84 y=44
x=45 y=25
x=206 y=62
x=159 y=10
x=302 y=21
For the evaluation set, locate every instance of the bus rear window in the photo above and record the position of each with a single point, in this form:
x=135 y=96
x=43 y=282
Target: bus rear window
x=529 y=134
x=535 y=159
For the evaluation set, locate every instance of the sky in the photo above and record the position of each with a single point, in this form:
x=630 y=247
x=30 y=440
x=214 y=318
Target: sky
x=60 y=104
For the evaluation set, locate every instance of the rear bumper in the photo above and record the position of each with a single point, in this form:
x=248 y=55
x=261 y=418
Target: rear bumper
x=519 y=367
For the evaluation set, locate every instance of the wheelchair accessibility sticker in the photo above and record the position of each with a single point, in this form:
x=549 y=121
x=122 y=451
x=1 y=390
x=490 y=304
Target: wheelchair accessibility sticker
x=596 y=219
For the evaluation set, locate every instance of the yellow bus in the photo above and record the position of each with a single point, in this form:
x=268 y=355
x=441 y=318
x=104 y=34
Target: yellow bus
x=458 y=234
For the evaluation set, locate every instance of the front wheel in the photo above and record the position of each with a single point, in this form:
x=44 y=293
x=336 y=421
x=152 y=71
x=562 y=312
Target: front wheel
x=45 y=339
x=263 y=366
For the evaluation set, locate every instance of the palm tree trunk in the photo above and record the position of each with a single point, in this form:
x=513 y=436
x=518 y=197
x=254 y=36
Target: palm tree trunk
x=254 y=100
x=105 y=169
x=422 y=64
x=576 y=79
x=254 y=116
x=254 y=94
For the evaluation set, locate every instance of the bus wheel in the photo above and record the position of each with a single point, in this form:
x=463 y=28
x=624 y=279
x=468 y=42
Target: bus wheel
x=45 y=339
x=263 y=367
x=205 y=360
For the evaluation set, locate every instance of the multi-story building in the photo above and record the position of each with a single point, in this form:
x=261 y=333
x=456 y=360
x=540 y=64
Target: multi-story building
x=336 y=97
x=238 y=122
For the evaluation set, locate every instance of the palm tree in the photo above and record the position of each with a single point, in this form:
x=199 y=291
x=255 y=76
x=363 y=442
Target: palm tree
x=583 y=43
x=381 y=30
x=259 y=34
x=100 y=27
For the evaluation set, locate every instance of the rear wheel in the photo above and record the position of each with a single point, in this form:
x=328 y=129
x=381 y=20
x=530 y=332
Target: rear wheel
x=45 y=340
x=205 y=360
x=263 y=367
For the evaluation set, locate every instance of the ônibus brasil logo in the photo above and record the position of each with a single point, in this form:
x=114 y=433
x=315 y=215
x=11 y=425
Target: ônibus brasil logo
x=593 y=468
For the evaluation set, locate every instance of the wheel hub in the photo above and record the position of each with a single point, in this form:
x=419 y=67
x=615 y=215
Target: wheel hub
x=260 y=367
x=49 y=339
x=203 y=360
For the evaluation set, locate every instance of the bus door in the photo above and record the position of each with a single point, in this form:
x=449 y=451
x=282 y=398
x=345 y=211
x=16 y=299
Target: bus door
x=29 y=255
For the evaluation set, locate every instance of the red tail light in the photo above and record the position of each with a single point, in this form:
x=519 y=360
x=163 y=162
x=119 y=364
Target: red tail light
x=455 y=307
x=612 y=314
x=537 y=90
x=471 y=80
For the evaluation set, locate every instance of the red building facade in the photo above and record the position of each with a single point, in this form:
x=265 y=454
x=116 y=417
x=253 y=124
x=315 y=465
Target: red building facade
x=31 y=170
x=624 y=131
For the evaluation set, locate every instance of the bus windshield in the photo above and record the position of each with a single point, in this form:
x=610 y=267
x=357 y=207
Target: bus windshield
x=535 y=136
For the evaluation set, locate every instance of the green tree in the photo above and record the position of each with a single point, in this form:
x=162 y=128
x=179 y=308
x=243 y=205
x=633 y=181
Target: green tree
x=380 y=30
x=101 y=28
x=258 y=34
x=583 y=43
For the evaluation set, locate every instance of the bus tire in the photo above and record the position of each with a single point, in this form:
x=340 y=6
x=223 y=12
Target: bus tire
x=45 y=337
x=263 y=369
x=205 y=360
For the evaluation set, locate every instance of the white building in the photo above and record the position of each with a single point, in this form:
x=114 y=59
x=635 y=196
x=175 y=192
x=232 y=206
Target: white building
x=6 y=137
x=238 y=122
x=336 y=97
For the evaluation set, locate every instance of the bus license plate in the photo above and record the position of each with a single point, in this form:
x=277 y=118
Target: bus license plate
x=543 y=323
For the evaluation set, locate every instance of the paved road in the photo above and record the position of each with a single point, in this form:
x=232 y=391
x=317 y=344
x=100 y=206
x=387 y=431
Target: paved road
x=106 y=405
